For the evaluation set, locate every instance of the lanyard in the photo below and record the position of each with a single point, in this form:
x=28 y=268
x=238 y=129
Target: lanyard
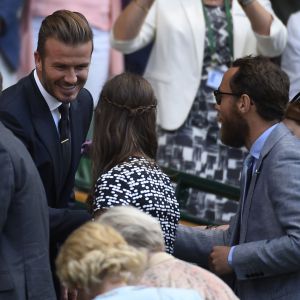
x=211 y=37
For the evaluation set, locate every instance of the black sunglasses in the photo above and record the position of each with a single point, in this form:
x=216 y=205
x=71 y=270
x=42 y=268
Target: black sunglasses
x=218 y=95
x=296 y=98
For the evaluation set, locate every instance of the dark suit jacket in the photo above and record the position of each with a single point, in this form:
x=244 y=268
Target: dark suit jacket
x=24 y=110
x=24 y=225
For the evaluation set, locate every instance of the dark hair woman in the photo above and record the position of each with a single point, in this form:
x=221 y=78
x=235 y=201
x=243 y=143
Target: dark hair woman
x=124 y=150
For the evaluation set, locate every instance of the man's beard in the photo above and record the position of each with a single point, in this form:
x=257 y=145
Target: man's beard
x=234 y=131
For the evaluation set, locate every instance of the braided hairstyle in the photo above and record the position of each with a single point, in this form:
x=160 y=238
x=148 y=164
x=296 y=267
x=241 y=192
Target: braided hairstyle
x=124 y=122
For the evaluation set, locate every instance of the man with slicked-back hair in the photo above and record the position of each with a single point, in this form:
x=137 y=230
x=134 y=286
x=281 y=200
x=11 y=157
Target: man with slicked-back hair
x=50 y=111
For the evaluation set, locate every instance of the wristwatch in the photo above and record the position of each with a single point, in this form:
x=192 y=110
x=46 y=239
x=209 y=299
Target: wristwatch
x=245 y=2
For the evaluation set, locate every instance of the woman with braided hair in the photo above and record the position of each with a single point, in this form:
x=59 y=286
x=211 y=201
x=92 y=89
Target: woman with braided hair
x=124 y=151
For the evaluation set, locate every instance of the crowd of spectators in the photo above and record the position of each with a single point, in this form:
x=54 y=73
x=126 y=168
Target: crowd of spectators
x=215 y=94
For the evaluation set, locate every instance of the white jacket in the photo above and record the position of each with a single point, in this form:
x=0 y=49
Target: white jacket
x=175 y=65
x=290 y=60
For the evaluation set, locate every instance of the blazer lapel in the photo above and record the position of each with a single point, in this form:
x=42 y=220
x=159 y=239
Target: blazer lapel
x=194 y=13
x=44 y=126
x=245 y=214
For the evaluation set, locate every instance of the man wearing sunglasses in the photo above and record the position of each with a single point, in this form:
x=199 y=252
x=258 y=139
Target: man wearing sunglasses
x=260 y=249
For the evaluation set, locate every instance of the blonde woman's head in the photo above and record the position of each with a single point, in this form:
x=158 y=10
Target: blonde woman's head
x=139 y=229
x=95 y=253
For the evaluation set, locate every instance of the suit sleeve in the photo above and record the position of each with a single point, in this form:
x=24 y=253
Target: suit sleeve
x=6 y=185
x=194 y=245
x=11 y=123
x=63 y=221
x=278 y=255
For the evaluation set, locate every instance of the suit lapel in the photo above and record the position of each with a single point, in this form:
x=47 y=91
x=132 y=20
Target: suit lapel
x=238 y=228
x=44 y=126
x=274 y=138
x=245 y=214
x=194 y=14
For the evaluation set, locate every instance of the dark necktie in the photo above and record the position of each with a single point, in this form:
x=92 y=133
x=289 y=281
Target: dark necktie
x=246 y=177
x=65 y=137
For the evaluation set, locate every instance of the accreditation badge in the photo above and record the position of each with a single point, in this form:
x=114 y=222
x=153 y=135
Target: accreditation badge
x=214 y=77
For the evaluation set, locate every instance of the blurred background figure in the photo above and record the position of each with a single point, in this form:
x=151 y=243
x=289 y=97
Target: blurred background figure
x=10 y=17
x=124 y=150
x=144 y=232
x=284 y=9
x=136 y=62
x=292 y=115
x=105 y=61
x=186 y=64
x=96 y=260
x=290 y=60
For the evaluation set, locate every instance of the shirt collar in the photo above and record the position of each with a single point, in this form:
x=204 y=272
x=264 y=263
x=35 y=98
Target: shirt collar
x=259 y=143
x=52 y=102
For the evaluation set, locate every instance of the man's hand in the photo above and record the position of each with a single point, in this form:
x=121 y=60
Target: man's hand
x=218 y=260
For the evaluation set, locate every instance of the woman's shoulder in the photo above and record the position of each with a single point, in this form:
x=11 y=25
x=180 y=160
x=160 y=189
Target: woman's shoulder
x=130 y=168
x=136 y=165
x=137 y=169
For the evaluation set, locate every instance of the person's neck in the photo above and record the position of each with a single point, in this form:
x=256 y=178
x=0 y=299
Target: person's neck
x=159 y=257
x=257 y=128
x=138 y=154
x=110 y=284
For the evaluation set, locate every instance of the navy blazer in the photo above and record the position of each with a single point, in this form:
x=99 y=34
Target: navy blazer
x=24 y=110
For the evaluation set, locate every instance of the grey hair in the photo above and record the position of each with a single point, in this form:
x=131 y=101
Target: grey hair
x=139 y=229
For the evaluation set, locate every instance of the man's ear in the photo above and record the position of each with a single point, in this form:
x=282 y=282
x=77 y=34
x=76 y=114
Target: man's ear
x=38 y=61
x=244 y=103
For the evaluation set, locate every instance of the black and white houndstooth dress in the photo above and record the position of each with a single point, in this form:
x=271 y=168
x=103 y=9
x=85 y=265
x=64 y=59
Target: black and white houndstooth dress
x=140 y=183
